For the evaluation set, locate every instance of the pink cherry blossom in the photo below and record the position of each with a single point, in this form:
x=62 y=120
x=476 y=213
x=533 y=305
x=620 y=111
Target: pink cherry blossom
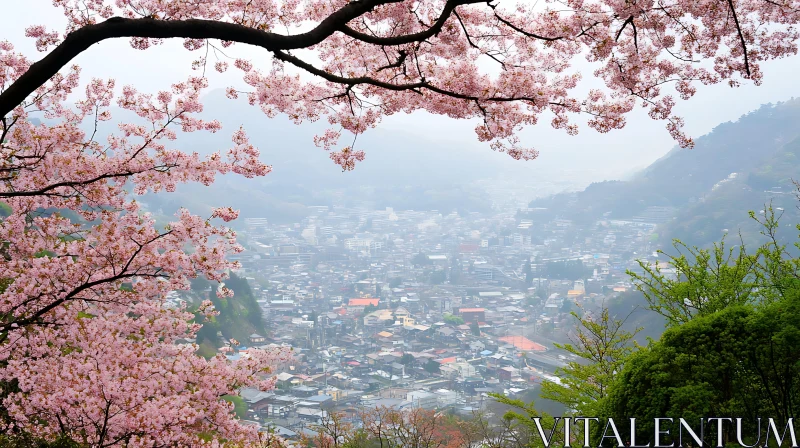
x=84 y=331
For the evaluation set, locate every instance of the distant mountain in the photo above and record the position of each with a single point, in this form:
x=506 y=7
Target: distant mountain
x=401 y=170
x=710 y=187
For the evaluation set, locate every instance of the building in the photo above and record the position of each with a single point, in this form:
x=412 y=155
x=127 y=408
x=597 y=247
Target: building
x=256 y=338
x=363 y=302
x=473 y=315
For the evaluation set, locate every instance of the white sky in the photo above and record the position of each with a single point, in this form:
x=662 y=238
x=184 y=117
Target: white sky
x=600 y=156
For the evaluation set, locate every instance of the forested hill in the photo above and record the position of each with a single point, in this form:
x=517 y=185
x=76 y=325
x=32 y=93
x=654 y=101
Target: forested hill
x=239 y=316
x=761 y=148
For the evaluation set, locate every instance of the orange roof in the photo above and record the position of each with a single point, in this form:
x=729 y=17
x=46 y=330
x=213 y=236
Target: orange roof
x=575 y=292
x=447 y=360
x=523 y=343
x=363 y=302
x=471 y=310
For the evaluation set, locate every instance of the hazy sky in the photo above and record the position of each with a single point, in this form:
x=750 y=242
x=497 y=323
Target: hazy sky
x=600 y=156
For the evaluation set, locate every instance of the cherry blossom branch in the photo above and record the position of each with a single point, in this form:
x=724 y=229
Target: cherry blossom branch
x=81 y=39
x=413 y=87
x=741 y=37
x=46 y=191
x=432 y=30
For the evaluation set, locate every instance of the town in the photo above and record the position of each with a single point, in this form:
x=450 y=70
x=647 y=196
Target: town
x=417 y=309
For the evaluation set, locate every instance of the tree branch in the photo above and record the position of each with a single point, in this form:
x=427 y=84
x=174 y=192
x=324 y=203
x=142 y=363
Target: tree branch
x=81 y=39
x=741 y=37
x=414 y=87
x=433 y=30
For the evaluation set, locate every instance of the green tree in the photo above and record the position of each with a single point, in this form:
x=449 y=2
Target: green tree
x=431 y=366
x=453 y=320
x=732 y=343
x=704 y=281
x=709 y=280
x=29 y=441
x=567 y=306
x=740 y=361
x=603 y=347
x=521 y=422
x=206 y=349
x=437 y=277
x=528 y=273
x=421 y=259
x=370 y=309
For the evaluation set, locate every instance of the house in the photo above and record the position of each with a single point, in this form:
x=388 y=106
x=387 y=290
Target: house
x=256 y=338
x=422 y=399
x=403 y=316
x=507 y=373
x=458 y=370
x=378 y=318
x=473 y=315
x=401 y=313
x=363 y=302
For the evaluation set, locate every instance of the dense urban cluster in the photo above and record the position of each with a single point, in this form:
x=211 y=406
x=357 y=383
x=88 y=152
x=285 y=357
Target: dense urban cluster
x=390 y=309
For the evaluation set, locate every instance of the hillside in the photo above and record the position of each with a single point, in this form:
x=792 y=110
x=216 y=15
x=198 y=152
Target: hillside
x=761 y=148
x=725 y=207
x=239 y=316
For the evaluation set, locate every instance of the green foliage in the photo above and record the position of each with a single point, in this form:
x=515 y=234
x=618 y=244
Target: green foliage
x=522 y=419
x=453 y=320
x=604 y=347
x=44 y=253
x=739 y=362
x=5 y=210
x=239 y=316
x=475 y=329
x=705 y=281
x=370 y=309
x=733 y=340
x=431 y=366
x=206 y=349
x=568 y=306
x=239 y=406
x=437 y=277
x=634 y=305
x=709 y=280
x=248 y=307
